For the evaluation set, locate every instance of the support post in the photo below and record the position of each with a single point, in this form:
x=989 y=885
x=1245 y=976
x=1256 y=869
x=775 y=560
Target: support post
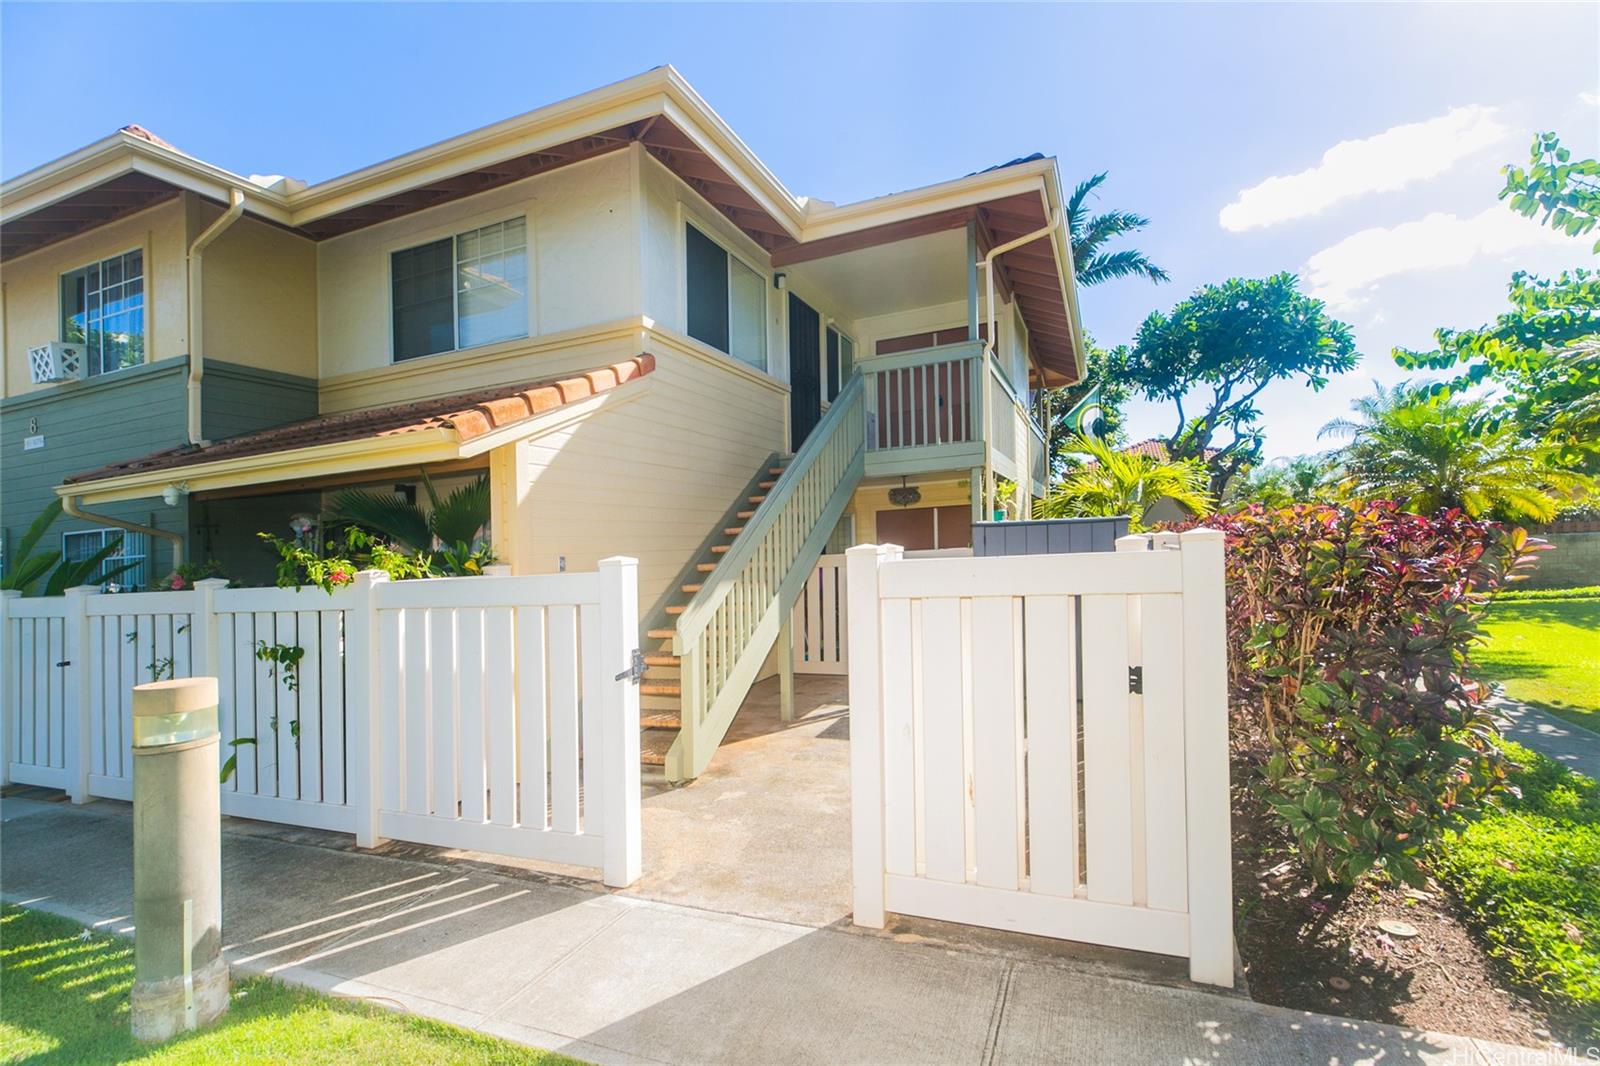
x=10 y=670
x=972 y=279
x=619 y=639
x=364 y=715
x=786 y=668
x=75 y=691
x=866 y=732
x=977 y=495
x=1205 y=726
x=203 y=628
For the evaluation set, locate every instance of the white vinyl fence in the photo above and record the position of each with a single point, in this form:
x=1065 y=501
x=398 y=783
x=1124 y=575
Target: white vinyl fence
x=1039 y=743
x=818 y=626
x=483 y=713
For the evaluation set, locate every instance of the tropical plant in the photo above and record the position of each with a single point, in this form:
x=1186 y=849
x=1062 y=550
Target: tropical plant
x=449 y=533
x=1543 y=354
x=1089 y=233
x=1233 y=340
x=23 y=575
x=1356 y=704
x=1104 y=388
x=1112 y=482
x=1433 y=452
x=1568 y=193
x=1284 y=482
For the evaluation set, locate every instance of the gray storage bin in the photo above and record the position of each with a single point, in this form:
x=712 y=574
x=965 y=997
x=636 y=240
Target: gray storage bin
x=1049 y=536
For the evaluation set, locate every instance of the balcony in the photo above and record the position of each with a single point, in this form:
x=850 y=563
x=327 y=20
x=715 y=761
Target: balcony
x=939 y=409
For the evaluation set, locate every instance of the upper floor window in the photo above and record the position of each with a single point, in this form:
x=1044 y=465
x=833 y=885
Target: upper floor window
x=102 y=308
x=461 y=291
x=727 y=300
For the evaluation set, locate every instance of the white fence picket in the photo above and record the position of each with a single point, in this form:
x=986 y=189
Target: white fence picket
x=1046 y=725
x=493 y=722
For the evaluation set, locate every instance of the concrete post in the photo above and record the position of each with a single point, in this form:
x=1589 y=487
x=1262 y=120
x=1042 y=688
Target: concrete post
x=180 y=977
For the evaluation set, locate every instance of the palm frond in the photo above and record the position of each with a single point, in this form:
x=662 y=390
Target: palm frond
x=1123 y=264
x=384 y=513
x=70 y=575
x=461 y=516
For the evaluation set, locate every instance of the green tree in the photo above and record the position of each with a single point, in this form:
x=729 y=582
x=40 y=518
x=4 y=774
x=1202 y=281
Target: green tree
x=30 y=566
x=1282 y=483
x=1543 y=355
x=1121 y=483
x=1568 y=193
x=1089 y=234
x=1233 y=340
x=1433 y=452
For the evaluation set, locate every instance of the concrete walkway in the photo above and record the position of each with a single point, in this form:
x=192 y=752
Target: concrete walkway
x=1555 y=738
x=615 y=978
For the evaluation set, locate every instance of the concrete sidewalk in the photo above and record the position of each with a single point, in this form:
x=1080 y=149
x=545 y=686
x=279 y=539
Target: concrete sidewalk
x=612 y=978
x=1555 y=738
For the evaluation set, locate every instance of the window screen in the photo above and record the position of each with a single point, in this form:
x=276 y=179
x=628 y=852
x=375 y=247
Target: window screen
x=706 y=267
x=424 y=304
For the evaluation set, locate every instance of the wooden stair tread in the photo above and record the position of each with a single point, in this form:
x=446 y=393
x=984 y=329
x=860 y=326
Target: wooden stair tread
x=660 y=688
x=733 y=531
x=662 y=634
x=705 y=568
x=765 y=484
x=747 y=514
x=757 y=499
x=692 y=587
x=660 y=659
x=718 y=549
x=659 y=720
x=676 y=608
x=654 y=745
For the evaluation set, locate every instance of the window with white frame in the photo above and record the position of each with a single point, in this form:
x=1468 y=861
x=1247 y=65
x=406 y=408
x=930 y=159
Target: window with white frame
x=727 y=300
x=102 y=308
x=131 y=549
x=461 y=291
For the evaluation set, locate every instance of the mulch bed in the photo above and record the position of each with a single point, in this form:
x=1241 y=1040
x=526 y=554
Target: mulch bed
x=1312 y=950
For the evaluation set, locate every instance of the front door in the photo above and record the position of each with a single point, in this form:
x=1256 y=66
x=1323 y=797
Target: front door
x=805 y=371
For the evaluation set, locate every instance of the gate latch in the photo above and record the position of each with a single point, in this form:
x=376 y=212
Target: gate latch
x=1136 y=680
x=635 y=670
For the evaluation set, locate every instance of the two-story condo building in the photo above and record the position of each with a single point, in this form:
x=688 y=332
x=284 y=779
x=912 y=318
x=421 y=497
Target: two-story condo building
x=608 y=305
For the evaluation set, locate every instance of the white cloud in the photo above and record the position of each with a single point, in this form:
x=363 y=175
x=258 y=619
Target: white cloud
x=1388 y=161
x=1592 y=99
x=1345 y=273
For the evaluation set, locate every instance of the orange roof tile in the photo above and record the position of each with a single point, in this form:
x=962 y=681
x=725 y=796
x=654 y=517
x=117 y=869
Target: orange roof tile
x=470 y=414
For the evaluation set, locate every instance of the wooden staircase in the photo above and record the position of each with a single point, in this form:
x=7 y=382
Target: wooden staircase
x=660 y=693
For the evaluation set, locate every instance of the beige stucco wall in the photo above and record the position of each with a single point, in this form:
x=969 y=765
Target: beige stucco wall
x=260 y=292
x=647 y=475
x=582 y=249
x=30 y=307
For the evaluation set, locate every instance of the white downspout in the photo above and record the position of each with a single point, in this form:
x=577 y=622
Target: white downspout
x=1025 y=465
x=197 y=344
x=70 y=508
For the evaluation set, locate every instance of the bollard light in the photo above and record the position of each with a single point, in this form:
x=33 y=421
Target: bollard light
x=180 y=979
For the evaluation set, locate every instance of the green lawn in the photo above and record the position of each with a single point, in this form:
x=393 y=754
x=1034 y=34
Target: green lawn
x=1547 y=652
x=1528 y=875
x=64 y=999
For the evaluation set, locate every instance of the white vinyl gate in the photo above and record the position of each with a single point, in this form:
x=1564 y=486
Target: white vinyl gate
x=1039 y=743
x=483 y=713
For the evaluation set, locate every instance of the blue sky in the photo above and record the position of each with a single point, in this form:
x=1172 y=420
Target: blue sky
x=1191 y=108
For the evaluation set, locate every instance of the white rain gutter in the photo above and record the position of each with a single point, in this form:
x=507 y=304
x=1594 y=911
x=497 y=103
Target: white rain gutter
x=197 y=344
x=69 y=507
x=1025 y=467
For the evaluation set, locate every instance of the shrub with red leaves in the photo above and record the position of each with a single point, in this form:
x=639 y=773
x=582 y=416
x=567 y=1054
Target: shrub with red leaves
x=1354 y=697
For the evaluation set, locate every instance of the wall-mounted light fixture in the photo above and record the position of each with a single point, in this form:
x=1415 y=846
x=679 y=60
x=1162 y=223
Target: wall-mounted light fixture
x=173 y=494
x=905 y=495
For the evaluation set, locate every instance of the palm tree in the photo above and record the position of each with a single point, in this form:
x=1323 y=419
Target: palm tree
x=1434 y=453
x=447 y=532
x=1284 y=482
x=1124 y=483
x=1089 y=234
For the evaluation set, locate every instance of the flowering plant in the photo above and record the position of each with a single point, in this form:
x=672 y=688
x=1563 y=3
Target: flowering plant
x=1355 y=698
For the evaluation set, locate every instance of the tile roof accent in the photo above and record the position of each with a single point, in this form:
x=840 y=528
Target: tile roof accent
x=470 y=414
x=135 y=130
x=1155 y=448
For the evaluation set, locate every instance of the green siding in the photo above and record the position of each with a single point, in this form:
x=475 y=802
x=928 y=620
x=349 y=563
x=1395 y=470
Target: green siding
x=123 y=416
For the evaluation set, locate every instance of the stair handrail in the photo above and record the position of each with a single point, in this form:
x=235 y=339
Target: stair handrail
x=692 y=622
